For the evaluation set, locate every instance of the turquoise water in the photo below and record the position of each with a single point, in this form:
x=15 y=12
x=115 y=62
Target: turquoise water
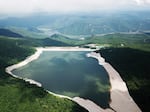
x=69 y=73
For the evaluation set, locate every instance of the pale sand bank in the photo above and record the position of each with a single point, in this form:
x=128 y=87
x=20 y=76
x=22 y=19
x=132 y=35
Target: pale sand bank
x=90 y=105
x=23 y=63
x=64 y=49
x=121 y=101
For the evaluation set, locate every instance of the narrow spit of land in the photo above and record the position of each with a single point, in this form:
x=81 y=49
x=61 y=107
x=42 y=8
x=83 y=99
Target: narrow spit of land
x=121 y=101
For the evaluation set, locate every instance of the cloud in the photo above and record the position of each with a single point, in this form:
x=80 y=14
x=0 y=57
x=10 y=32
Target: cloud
x=32 y=6
x=142 y=2
x=139 y=2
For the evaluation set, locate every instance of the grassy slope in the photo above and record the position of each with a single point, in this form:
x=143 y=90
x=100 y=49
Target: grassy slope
x=27 y=33
x=133 y=66
x=128 y=40
x=19 y=96
x=36 y=42
x=136 y=41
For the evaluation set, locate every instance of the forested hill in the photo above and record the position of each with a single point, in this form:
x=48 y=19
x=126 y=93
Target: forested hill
x=6 y=32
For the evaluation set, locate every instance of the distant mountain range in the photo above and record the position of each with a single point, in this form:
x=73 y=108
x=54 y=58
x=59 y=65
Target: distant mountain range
x=85 y=24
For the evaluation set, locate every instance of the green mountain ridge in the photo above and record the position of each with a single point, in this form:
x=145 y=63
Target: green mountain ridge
x=9 y=33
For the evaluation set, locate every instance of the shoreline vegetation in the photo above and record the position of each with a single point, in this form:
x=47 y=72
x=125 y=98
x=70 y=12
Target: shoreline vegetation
x=120 y=98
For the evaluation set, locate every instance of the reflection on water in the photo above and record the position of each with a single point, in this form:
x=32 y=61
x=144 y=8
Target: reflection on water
x=71 y=74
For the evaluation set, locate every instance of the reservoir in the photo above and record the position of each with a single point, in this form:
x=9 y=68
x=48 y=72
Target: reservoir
x=69 y=73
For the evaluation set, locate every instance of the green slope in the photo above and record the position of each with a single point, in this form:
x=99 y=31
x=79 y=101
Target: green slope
x=128 y=40
x=6 y=32
x=133 y=66
x=27 y=32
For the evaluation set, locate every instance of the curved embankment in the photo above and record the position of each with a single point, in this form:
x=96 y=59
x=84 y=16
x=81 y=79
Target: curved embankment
x=121 y=101
x=23 y=63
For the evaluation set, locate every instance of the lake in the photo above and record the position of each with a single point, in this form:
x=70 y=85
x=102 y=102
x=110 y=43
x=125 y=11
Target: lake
x=69 y=73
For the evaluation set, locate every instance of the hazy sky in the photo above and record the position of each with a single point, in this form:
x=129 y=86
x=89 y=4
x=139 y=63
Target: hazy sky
x=30 y=6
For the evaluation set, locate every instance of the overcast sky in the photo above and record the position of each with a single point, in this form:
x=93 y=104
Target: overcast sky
x=31 y=6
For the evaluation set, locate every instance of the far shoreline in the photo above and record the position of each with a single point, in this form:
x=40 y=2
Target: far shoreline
x=118 y=86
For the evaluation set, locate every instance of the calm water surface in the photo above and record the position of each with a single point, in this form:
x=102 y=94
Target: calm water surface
x=69 y=73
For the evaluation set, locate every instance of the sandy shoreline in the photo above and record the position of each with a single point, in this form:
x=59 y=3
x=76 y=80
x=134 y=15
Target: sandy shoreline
x=121 y=101
x=29 y=59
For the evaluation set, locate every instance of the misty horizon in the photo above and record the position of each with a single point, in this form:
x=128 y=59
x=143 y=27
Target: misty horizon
x=25 y=8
